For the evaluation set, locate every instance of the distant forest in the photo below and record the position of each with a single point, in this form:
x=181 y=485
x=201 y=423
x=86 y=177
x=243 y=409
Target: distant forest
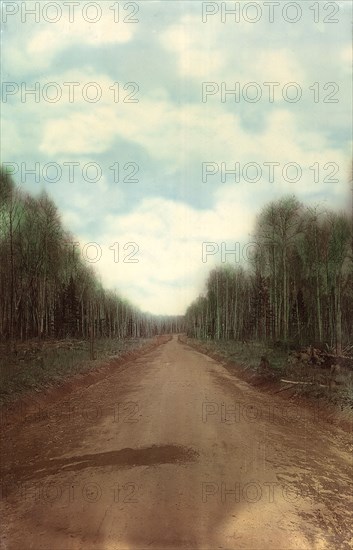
x=46 y=289
x=298 y=288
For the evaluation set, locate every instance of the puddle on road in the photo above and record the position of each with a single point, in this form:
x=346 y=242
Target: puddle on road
x=123 y=458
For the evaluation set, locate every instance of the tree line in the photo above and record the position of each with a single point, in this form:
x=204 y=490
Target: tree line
x=297 y=289
x=46 y=290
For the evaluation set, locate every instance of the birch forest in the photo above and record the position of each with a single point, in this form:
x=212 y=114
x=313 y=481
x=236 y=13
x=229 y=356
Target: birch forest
x=298 y=288
x=46 y=289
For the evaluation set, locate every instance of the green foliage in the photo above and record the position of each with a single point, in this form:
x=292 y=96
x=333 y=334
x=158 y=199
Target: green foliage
x=46 y=289
x=297 y=290
x=39 y=365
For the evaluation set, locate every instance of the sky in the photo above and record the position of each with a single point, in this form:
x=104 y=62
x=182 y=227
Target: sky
x=161 y=128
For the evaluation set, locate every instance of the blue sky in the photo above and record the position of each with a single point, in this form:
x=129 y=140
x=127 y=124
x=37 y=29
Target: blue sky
x=173 y=129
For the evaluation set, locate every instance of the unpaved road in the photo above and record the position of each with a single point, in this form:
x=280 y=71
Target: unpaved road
x=174 y=452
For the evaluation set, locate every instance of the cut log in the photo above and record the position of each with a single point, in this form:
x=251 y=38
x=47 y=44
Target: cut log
x=292 y=382
x=295 y=382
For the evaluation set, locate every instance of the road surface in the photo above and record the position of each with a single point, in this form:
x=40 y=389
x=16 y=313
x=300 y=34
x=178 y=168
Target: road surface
x=175 y=453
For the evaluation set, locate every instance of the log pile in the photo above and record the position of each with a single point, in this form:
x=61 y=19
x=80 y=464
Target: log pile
x=321 y=366
x=311 y=356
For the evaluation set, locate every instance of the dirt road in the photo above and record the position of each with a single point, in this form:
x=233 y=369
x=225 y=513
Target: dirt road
x=174 y=452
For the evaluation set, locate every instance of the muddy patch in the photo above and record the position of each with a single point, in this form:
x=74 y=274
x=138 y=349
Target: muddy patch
x=123 y=458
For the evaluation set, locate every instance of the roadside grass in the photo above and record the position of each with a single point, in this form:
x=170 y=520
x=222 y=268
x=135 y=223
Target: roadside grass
x=35 y=364
x=247 y=355
x=316 y=380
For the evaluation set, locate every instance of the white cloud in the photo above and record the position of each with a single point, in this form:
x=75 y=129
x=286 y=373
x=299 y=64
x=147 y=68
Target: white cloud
x=79 y=133
x=208 y=55
x=346 y=57
x=37 y=45
x=196 y=51
x=177 y=136
x=169 y=236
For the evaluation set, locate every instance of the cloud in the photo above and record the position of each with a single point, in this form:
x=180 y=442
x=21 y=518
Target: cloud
x=87 y=132
x=208 y=56
x=169 y=237
x=37 y=45
x=176 y=136
x=171 y=133
x=346 y=57
x=197 y=53
x=176 y=245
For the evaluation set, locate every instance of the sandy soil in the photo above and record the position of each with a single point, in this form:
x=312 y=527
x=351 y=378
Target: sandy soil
x=174 y=452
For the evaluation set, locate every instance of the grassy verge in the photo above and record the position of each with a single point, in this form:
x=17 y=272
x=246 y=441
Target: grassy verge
x=38 y=364
x=245 y=356
x=312 y=382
